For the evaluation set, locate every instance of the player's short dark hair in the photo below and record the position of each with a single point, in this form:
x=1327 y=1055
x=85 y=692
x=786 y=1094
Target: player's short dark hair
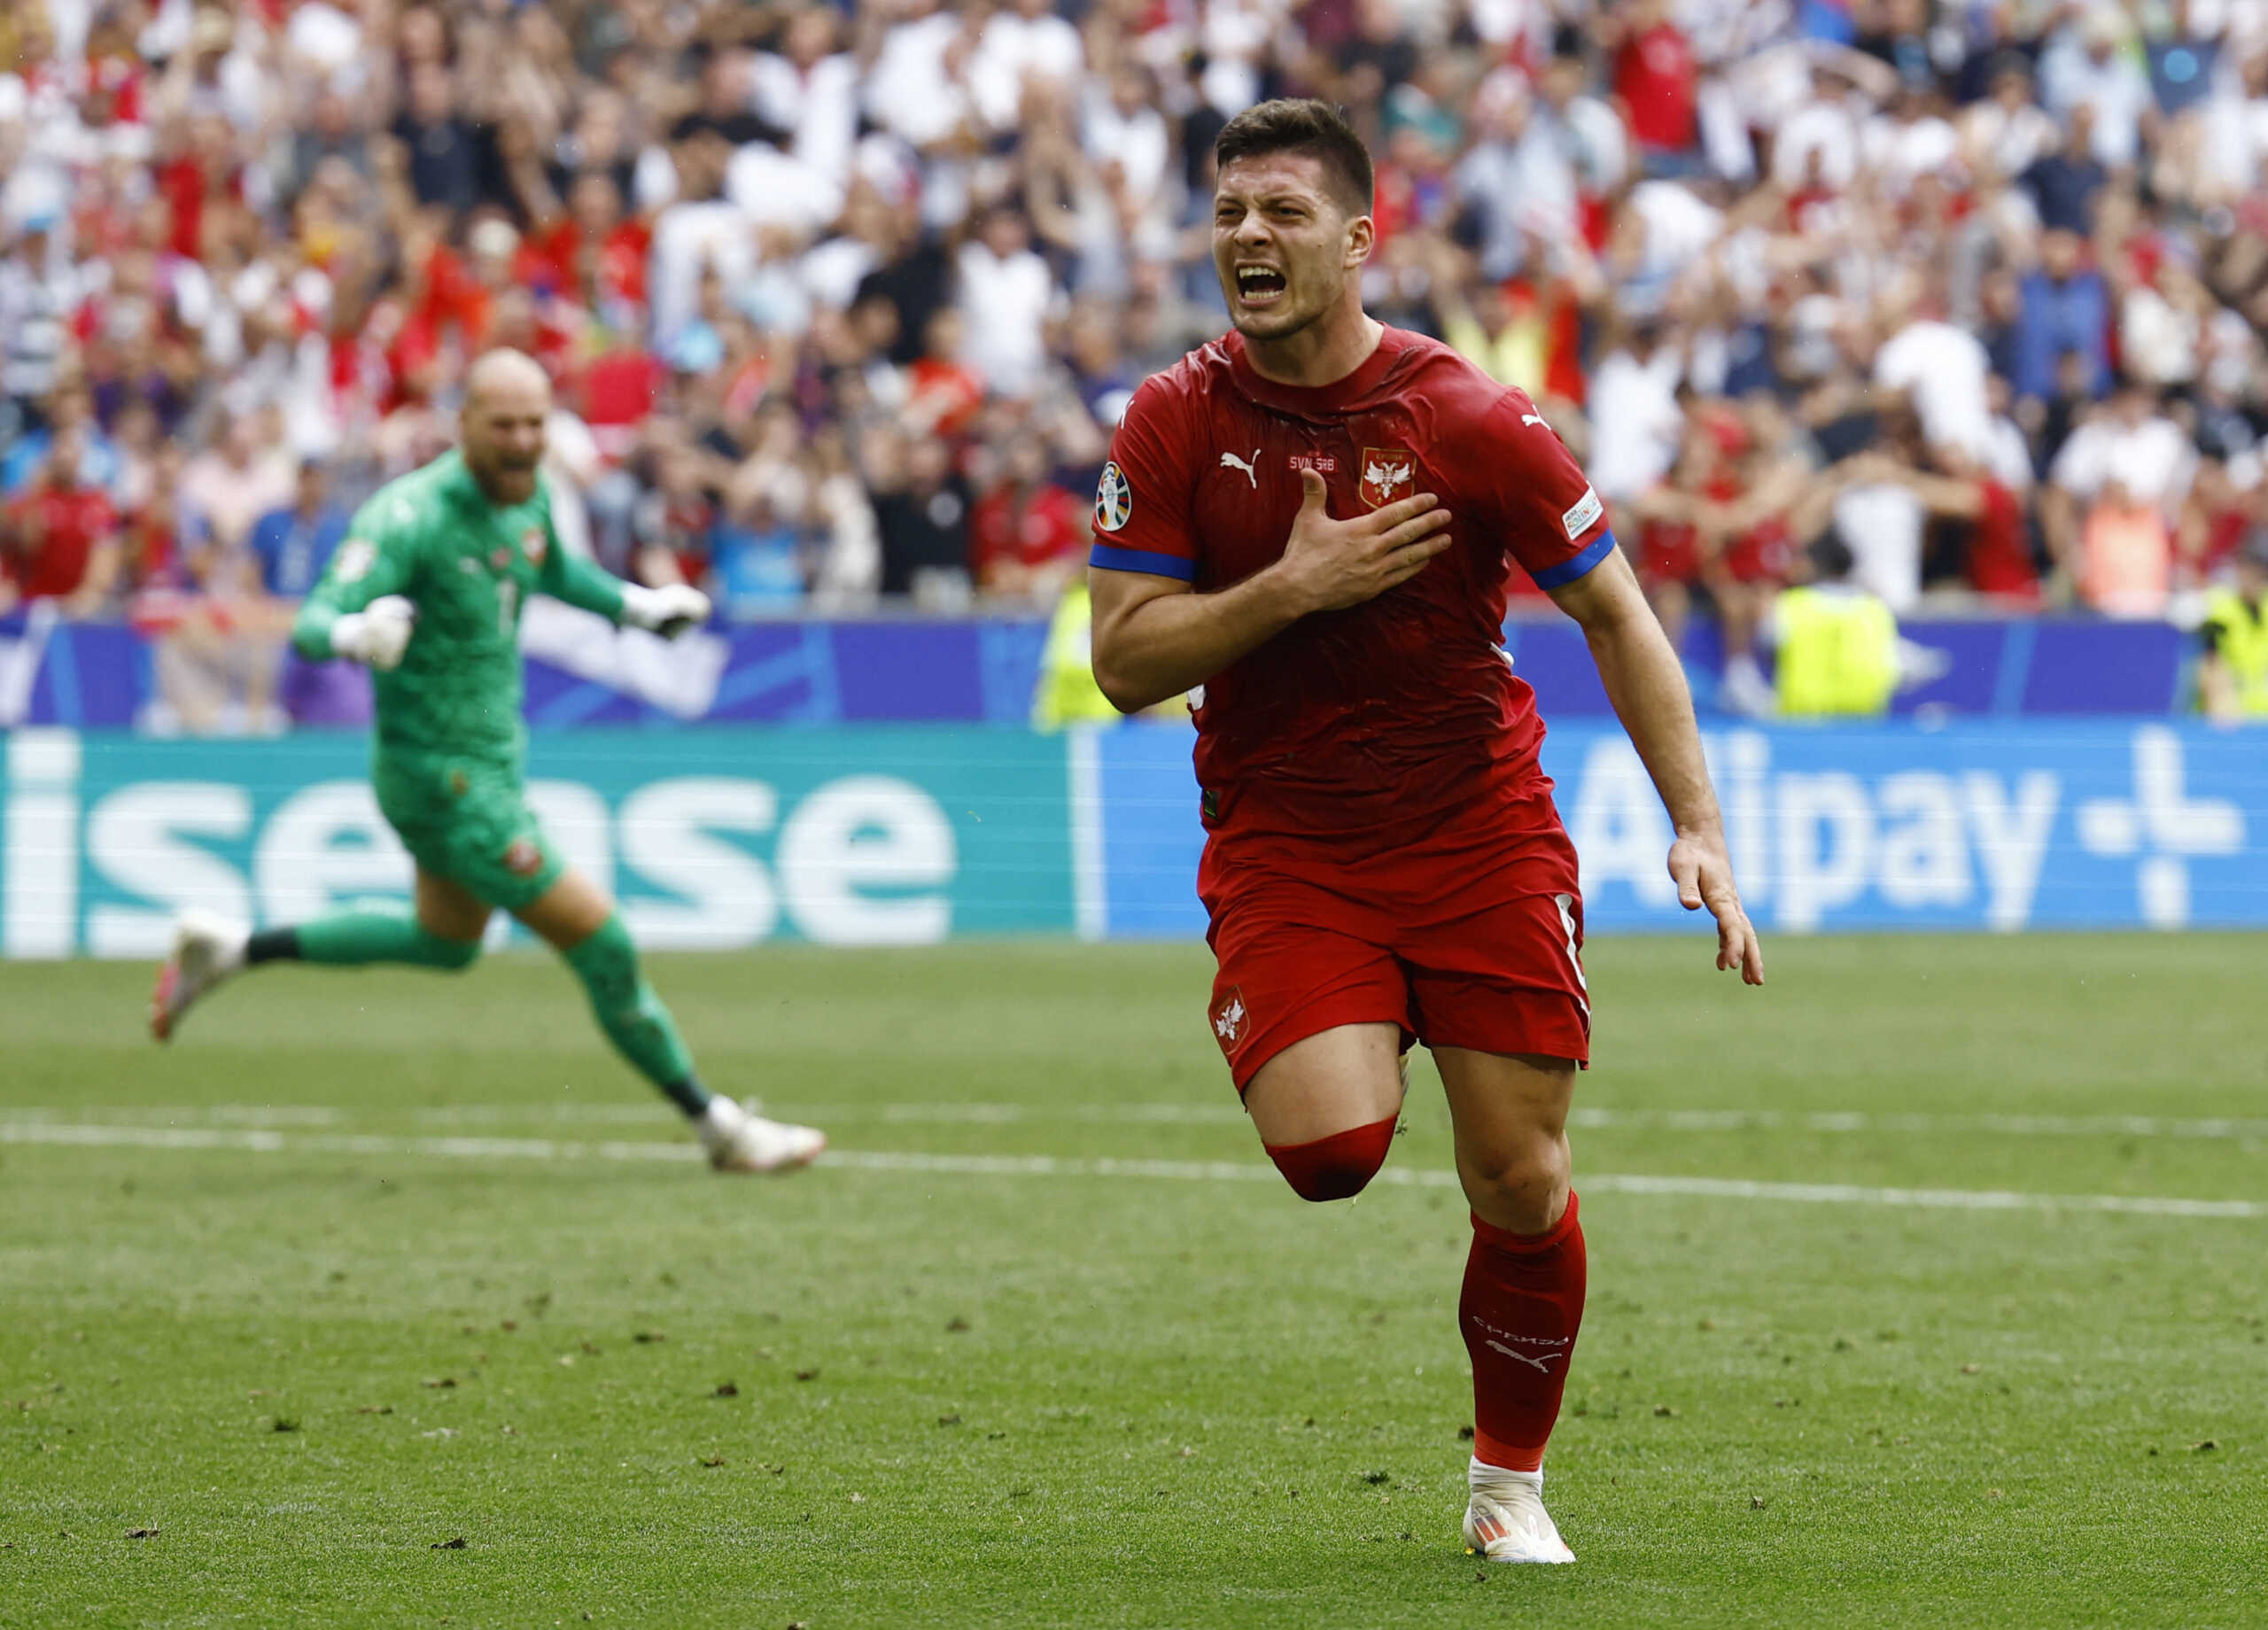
x=1302 y=125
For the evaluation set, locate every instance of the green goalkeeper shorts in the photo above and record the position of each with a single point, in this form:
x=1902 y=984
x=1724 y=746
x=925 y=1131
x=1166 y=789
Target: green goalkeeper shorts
x=470 y=823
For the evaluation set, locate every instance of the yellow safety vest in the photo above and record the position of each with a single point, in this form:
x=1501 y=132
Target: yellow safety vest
x=1068 y=694
x=1838 y=653
x=2243 y=646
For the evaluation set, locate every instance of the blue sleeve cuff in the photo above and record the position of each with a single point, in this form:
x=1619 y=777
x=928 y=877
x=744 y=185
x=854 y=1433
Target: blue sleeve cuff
x=1142 y=560
x=1568 y=571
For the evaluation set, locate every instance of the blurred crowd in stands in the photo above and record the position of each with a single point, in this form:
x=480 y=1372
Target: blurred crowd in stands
x=844 y=303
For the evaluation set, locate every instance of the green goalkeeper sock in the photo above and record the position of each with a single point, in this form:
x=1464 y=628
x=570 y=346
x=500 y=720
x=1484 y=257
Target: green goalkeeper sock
x=352 y=939
x=633 y=1017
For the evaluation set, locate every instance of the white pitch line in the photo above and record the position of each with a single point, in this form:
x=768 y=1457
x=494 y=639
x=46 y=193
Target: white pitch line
x=643 y=1113
x=261 y=1141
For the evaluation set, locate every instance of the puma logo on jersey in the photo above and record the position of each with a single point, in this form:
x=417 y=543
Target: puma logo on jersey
x=1533 y=418
x=1229 y=461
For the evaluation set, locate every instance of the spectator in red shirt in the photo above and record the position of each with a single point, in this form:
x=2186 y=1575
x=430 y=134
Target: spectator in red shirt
x=1656 y=79
x=1027 y=533
x=591 y=255
x=944 y=392
x=620 y=388
x=61 y=536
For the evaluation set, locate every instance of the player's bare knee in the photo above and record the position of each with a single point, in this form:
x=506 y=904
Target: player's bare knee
x=1339 y=1166
x=1521 y=1188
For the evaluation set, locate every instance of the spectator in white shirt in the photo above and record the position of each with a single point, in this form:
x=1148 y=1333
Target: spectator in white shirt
x=699 y=229
x=1879 y=517
x=1003 y=295
x=2112 y=500
x=2161 y=326
x=1943 y=368
x=2130 y=445
x=811 y=88
x=1022 y=42
x=913 y=91
x=2234 y=129
x=1125 y=128
x=1633 y=410
x=2002 y=135
x=235 y=480
x=1817 y=146
x=2094 y=64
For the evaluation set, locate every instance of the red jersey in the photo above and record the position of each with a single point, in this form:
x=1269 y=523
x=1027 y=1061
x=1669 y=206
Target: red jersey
x=1397 y=711
x=1030 y=529
x=1654 y=77
x=2000 y=556
x=56 y=535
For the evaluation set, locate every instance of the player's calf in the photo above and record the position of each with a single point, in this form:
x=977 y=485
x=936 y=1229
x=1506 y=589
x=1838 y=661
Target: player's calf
x=1339 y=1166
x=640 y=1026
x=358 y=939
x=633 y=1017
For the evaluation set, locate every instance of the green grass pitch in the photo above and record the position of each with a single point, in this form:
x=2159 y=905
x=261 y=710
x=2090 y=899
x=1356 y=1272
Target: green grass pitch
x=366 y=1299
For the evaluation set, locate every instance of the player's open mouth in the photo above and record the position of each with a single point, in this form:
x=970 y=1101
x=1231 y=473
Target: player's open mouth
x=1259 y=285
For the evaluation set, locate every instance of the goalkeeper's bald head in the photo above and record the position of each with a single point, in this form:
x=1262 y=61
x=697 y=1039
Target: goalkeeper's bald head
x=500 y=428
x=505 y=371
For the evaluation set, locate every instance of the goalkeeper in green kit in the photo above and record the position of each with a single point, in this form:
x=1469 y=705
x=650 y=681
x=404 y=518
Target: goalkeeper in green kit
x=426 y=589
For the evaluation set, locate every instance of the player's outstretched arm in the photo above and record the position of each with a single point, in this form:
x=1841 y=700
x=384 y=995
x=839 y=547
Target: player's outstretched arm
x=358 y=610
x=1647 y=686
x=1155 y=638
x=668 y=611
x=580 y=582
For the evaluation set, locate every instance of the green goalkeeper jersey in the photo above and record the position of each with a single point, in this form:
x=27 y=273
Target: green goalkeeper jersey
x=467 y=564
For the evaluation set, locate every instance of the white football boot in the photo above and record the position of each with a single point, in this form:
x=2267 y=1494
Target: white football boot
x=738 y=1140
x=205 y=950
x=1506 y=1521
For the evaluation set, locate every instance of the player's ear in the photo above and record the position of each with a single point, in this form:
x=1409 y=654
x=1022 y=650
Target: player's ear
x=1361 y=237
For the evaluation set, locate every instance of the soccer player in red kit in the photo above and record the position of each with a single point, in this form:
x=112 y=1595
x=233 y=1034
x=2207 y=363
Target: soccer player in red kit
x=1315 y=519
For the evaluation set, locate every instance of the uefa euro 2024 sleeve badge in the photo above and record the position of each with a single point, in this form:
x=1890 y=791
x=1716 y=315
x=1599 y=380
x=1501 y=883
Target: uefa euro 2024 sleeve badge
x=1113 y=499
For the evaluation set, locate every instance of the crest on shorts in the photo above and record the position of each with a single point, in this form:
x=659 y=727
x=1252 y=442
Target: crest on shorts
x=1389 y=475
x=1230 y=1018
x=1113 y=499
x=523 y=859
x=533 y=544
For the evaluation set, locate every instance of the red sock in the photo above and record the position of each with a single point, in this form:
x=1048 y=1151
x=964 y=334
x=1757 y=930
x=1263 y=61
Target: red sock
x=1339 y=1166
x=1523 y=1304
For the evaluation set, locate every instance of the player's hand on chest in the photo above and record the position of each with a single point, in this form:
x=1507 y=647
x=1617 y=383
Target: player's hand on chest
x=1248 y=496
x=1361 y=521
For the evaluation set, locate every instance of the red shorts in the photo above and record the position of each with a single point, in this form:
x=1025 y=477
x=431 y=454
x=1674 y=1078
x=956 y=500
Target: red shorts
x=1459 y=945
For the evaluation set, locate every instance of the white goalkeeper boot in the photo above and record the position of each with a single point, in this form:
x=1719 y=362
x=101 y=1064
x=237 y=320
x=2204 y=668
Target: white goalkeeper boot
x=1506 y=1521
x=738 y=1140
x=205 y=950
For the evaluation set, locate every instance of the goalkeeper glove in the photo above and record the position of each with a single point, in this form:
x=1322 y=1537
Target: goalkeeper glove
x=668 y=611
x=377 y=634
